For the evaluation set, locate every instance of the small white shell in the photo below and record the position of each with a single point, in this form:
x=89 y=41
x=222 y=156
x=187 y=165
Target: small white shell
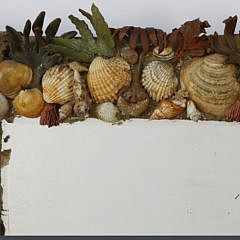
x=4 y=106
x=107 y=112
x=57 y=84
x=192 y=112
x=159 y=79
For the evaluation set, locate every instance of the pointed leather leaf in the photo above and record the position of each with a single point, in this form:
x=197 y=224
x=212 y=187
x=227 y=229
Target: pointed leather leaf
x=134 y=38
x=52 y=28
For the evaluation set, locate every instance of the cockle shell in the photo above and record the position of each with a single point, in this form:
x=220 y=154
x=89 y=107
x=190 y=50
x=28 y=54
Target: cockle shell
x=211 y=83
x=4 y=106
x=107 y=112
x=165 y=55
x=159 y=79
x=29 y=103
x=65 y=111
x=132 y=109
x=168 y=109
x=57 y=84
x=106 y=77
x=192 y=112
x=13 y=77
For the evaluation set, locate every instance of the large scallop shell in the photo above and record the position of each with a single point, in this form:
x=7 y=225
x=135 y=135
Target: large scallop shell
x=107 y=112
x=106 y=77
x=4 y=106
x=29 y=103
x=211 y=84
x=168 y=109
x=159 y=79
x=13 y=77
x=57 y=84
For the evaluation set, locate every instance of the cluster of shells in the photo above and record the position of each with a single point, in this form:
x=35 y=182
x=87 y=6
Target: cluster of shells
x=206 y=88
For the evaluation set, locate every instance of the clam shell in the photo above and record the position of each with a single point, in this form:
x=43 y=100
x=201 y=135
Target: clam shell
x=130 y=55
x=192 y=112
x=168 y=109
x=57 y=84
x=132 y=109
x=165 y=55
x=4 y=106
x=106 y=77
x=211 y=84
x=107 y=112
x=29 y=103
x=159 y=80
x=13 y=77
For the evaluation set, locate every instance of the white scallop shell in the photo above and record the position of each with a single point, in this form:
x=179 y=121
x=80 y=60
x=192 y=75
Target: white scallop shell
x=107 y=112
x=159 y=79
x=57 y=84
x=4 y=106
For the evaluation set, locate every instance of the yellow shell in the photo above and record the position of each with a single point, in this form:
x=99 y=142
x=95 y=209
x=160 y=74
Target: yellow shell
x=168 y=109
x=13 y=77
x=106 y=77
x=29 y=103
x=167 y=54
x=211 y=84
x=57 y=84
x=159 y=79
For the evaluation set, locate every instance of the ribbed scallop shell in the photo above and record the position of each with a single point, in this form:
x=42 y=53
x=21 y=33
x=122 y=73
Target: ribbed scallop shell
x=13 y=77
x=57 y=84
x=107 y=112
x=106 y=77
x=159 y=79
x=168 y=109
x=165 y=55
x=211 y=84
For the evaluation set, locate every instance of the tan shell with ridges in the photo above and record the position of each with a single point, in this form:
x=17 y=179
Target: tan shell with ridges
x=57 y=84
x=165 y=55
x=106 y=77
x=13 y=77
x=168 y=109
x=159 y=79
x=211 y=84
x=29 y=103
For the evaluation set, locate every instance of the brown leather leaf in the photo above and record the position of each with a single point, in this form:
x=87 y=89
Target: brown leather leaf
x=144 y=40
x=152 y=36
x=134 y=38
x=123 y=32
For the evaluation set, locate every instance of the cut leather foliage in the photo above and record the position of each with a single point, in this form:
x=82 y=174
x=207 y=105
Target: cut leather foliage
x=229 y=43
x=143 y=38
x=188 y=39
x=86 y=47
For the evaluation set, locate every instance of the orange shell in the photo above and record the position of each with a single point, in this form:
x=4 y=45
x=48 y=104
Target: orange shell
x=29 y=103
x=13 y=77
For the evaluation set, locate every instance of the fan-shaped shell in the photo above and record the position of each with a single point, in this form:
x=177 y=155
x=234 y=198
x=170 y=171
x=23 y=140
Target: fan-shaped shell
x=108 y=112
x=13 y=77
x=29 y=103
x=211 y=84
x=132 y=109
x=165 y=55
x=4 y=106
x=57 y=84
x=168 y=109
x=159 y=79
x=106 y=77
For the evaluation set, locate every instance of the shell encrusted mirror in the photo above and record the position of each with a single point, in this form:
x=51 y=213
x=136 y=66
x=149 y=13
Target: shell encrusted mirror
x=118 y=74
